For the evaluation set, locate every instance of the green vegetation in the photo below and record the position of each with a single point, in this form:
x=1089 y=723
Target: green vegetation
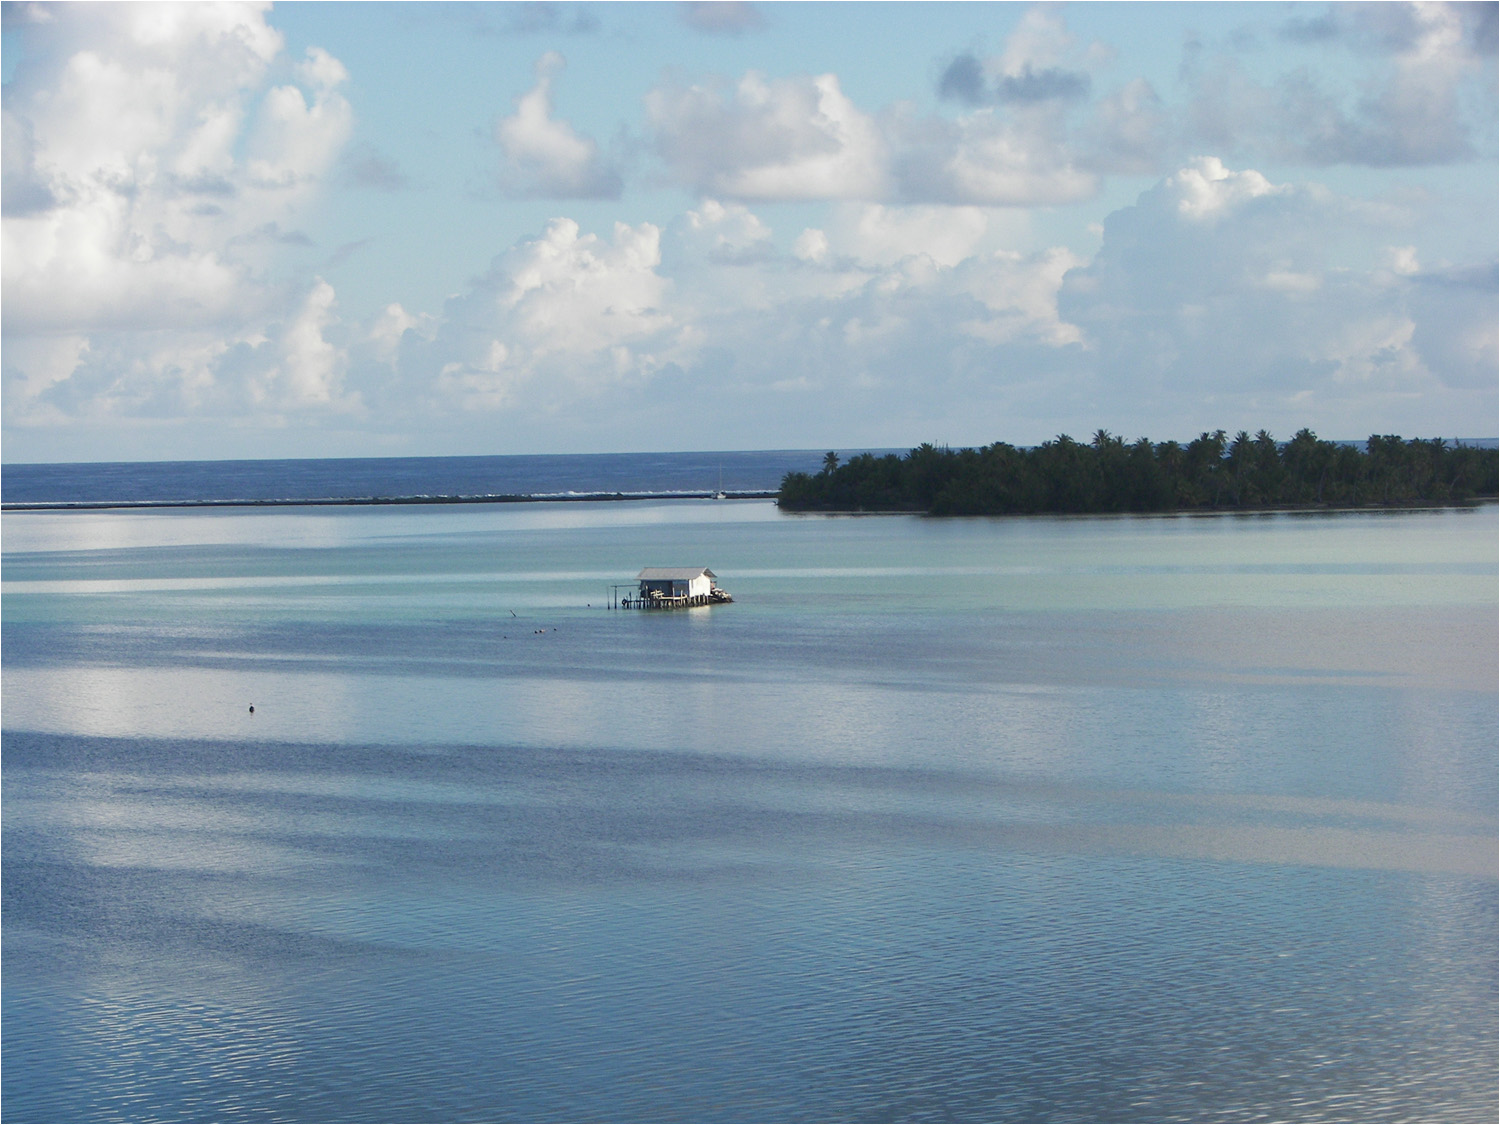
x=1107 y=475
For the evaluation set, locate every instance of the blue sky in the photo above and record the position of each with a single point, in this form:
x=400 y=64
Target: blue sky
x=363 y=229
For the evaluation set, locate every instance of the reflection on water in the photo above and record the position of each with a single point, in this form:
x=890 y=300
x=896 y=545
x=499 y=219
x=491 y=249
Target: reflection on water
x=961 y=820
x=701 y=937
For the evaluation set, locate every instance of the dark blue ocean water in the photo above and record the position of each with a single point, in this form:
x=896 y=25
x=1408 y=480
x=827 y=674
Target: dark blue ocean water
x=1115 y=819
x=318 y=479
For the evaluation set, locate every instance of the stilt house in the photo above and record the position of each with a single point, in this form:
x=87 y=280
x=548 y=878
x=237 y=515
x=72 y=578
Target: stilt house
x=676 y=581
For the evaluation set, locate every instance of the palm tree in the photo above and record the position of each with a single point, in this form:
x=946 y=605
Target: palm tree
x=1268 y=471
x=1240 y=464
x=830 y=461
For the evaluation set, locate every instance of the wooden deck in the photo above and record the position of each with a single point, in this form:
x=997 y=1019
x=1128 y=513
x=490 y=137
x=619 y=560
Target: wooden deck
x=681 y=601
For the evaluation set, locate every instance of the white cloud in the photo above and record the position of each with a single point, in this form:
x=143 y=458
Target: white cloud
x=25 y=189
x=33 y=366
x=389 y=330
x=568 y=292
x=802 y=138
x=1221 y=287
x=295 y=142
x=811 y=245
x=877 y=235
x=90 y=265
x=792 y=138
x=888 y=311
x=1130 y=131
x=1005 y=158
x=311 y=369
x=651 y=333
x=273 y=369
x=1427 y=96
x=1205 y=190
x=558 y=318
x=1019 y=293
x=727 y=232
x=1040 y=40
x=1403 y=260
x=133 y=140
x=545 y=156
x=321 y=70
x=156 y=181
x=162 y=165
x=1032 y=136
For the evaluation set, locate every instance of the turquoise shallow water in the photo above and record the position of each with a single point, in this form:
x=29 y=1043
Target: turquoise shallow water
x=1028 y=819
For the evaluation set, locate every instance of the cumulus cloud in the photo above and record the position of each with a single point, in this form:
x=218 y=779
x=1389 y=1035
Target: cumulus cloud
x=1221 y=286
x=875 y=235
x=136 y=192
x=650 y=332
x=1019 y=294
x=555 y=317
x=727 y=233
x=25 y=190
x=32 y=366
x=792 y=138
x=283 y=366
x=296 y=140
x=989 y=158
x=1032 y=124
x=160 y=166
x=546 y=157
x=1428 y=100
x=871 y=260
x=884 y=314
x=310 y=368
x=153 y=176
x=1130 y=131
x=1037 y=135
x=1016 y=144
x=1220 y=297
x=802 y=138
x=1030 y=70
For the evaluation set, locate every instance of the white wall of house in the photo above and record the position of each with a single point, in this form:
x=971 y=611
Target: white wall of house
x=678 y=582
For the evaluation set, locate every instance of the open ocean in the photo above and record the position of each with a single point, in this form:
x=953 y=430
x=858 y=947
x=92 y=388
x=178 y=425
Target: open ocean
x=539 y=475
x=1016 y=819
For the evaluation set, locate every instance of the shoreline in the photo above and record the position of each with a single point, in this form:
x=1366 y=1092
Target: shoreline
x=1246 y=510
x=727 y=494
x=376 y=501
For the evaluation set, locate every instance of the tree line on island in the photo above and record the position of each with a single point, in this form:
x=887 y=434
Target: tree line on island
x=1108 y=475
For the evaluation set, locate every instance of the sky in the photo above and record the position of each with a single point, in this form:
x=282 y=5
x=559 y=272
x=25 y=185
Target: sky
x=332 y=230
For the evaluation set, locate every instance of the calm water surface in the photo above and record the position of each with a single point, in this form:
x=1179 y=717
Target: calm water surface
x=1019 y=819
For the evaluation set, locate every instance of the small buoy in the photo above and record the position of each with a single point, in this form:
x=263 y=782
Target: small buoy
x=252 y=708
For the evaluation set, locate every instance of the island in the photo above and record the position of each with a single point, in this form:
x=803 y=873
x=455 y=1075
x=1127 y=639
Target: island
x=1211 y=473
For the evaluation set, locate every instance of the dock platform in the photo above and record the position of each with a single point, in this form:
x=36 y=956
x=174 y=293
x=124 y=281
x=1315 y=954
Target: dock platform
x=678 y=601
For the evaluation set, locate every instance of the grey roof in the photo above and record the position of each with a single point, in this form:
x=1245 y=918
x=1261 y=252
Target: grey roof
x=673 y=573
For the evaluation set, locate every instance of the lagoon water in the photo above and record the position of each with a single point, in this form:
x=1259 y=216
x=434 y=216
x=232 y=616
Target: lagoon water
x=1013 y=819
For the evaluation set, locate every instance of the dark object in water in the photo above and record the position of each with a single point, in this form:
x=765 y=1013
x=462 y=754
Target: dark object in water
x=252 y=708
